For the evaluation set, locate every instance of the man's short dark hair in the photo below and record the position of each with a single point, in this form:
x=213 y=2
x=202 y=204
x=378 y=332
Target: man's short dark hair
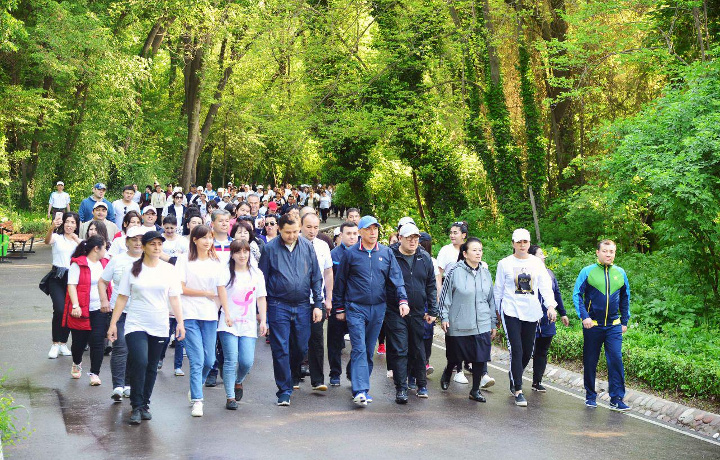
x=352 y=210
x=605 y=242
x=128 y=187
x=345 y=225
x=302 y=219
x=286 y=219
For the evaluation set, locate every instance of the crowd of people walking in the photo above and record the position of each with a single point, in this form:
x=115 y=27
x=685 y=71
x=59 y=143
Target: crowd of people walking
x=209 y=272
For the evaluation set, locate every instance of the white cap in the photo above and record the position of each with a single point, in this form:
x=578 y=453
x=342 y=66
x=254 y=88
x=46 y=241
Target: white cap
x=520 y=234
x=336 y=232
x=100 y=203
x=409 y=230
x=405 y=220
x=226 y=194
x=132 y=232
x=60 y=183
x=200 y=189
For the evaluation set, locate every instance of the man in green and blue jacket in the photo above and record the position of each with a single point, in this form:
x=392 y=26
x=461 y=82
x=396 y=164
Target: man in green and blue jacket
x=602 y=301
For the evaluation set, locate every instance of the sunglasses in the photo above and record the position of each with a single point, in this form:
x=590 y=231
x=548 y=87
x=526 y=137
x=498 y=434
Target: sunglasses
x=270 y=224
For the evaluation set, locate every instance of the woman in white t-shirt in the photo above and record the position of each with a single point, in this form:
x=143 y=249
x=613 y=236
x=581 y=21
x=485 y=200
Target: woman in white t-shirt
x=201 y=276
x=246 y=299
x=146 y=289
x=63 y=236
x=131 y=219
x=113 y=273
x=87 y=323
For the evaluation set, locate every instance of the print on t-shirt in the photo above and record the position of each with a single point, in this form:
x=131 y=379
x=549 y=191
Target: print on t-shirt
x=243 y=298
x=523 y=281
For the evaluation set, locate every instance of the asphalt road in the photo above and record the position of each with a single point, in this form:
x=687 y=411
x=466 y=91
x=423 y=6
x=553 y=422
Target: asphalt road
x=71 y=420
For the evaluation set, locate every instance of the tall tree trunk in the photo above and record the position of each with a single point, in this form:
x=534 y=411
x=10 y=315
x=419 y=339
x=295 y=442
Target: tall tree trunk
x=29 y=165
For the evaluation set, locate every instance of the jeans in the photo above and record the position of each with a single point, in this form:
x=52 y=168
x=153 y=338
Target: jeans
x=58 y=288
x=200 y=338
x=542 y=346
x=239 y=353
x=405 y=347
x=143 y=356
x=521 y=341
x=364 y=323
x=95 y=337
x=315 y=353
x=119 y=355
x=179 y=346
x=336 y=331
x=593 y=339
x=286 y=319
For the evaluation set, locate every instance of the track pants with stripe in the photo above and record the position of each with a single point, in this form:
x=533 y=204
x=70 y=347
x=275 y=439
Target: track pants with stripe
x=521 y=343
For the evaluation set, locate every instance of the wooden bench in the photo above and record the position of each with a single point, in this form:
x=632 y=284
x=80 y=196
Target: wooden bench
x=18 y=242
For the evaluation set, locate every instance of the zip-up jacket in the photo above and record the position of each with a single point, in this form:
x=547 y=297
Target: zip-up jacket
x=545 y=328
x=83 y=295
x=85 y=211
x=337 y=254
x=467 y=301
x=602 y=293
x=364 y=275
x=290 y=277
x=419 y=280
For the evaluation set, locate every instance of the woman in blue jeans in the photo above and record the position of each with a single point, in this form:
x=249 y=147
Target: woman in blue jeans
x=201 y=276
x=150 y=285
x=238 y=331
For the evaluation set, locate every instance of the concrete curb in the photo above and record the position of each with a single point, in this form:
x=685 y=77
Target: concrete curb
x=650 y=406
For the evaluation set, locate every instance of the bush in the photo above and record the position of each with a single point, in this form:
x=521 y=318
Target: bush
x=10 y=432
x=26 y=221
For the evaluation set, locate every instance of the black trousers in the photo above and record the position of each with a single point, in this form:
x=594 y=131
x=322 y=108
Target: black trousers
x=95 y=337
x=521 y=340
x=542 y=345
x=143 y=356
x=336 y=331
x=324 y=214
x=405 y=347
x=315 y=355
x=58 y=288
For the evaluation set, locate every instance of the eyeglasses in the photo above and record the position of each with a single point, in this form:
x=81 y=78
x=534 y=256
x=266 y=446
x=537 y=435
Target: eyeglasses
x=270 y=224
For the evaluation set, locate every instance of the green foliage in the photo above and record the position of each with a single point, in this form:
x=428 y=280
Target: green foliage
x=10 y=431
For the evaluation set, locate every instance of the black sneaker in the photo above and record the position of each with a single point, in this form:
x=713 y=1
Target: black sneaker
x=145 y=413
x=211 y=380
x=135 y=417
x=476 y=395
x=539 y=388
x=401 y=396
x=520 y=400
x=304 y=370
x=238 y=392
x=231 y=404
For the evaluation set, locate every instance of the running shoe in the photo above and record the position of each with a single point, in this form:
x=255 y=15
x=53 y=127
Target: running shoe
x=346 y=337
x=539 y=388
x=591 y=403
x=94 y=380
x=231 y=404
x=360 y=399
x=239 y=392
x=401 y=396
x=619 y=406
x=460 y=378
x=211 y=380
x=179 y=372
x=64 y=350
x=368 y=398
x=145 y=413
x=486 y=382
x=283 y=400
x=197 y=409
x=520 y=400
x=135 y=417
x=117 y=394
x=423 y=393
x=320 y=387
x=54 y=350
x=381 y=349
x=429 y=369
x=334 y=381
x=296 y=384
x=76 y=371
x=126 y=392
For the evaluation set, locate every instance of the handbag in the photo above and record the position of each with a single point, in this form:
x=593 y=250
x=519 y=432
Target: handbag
x=44 y=283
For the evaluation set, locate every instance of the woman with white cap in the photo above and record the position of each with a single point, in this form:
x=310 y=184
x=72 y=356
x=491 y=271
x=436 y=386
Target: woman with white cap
x=147 y=288
x=519 y=281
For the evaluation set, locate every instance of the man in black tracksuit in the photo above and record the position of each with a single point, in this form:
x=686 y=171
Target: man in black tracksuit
x=405 y=334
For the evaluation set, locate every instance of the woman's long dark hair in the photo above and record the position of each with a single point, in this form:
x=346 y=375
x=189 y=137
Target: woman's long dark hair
x=101 y=230
x=246 y=225
x=127 y=218
x=237 y=246
x=190 y=212
x=200 y=232
x=85 y=246
x=464 y=246
x=66 y=216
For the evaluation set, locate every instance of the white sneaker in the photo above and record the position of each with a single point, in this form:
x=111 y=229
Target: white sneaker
x=486 y=381
x=94 y=380
x=197 y=409
x=346 y=337
x=54 y=350
x=460 y=378
x=179 y=372
x=64 y=350
x=117 y=394
x=126 y=392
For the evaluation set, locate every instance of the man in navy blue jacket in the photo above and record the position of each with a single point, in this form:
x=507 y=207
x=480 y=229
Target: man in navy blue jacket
x=291 y=274
x=359 y=297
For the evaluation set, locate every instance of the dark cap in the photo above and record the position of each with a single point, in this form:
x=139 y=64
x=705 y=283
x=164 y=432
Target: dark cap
x=149 y=236
x=425 y=237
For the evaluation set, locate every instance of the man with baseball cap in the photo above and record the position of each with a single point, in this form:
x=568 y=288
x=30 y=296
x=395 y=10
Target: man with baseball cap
x=404 y=334
x=87 y=205
x=59 y=201
x=100 y=213
x=359 y=297
x=149 y=219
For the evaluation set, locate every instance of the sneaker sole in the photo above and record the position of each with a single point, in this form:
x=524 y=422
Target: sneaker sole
x=284 y=403
x=360 y=401
x=521 y=404
x=423 y=396
x=617 y=409
x=488 y=385
x=539 y=391
x=116 y=398
x=320 y=388
x=334 y=384
x=591 y=406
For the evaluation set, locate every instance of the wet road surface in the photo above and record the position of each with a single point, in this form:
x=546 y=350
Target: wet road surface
x=72 y=420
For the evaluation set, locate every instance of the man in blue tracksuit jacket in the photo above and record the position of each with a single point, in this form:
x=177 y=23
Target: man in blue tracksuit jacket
x=86 y=206
x=359 y=295
x=602 y=301
x=291 y=272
